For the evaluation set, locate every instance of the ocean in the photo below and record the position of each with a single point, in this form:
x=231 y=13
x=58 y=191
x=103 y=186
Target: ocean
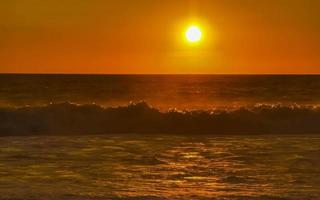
x=159 y=137
x=160 y=91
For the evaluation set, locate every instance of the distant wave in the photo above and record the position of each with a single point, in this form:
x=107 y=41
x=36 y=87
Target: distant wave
x=140 y=118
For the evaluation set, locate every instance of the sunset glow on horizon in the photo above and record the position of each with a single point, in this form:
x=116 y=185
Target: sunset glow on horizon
x=151 y=37
x=159 y=99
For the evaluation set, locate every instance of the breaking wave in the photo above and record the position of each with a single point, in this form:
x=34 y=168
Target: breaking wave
x=140 y=118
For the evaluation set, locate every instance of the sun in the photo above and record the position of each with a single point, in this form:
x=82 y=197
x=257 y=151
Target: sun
x=193 y=34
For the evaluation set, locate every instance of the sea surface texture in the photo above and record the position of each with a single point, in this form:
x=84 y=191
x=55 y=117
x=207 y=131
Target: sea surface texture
x=152 y=137
x=161 y=91
x=179 y=104
x=160 y=167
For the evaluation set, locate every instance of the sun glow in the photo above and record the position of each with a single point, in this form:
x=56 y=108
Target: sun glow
x=193 y=34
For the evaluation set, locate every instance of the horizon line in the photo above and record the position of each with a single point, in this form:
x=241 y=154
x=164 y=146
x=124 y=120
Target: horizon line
x=158 y=74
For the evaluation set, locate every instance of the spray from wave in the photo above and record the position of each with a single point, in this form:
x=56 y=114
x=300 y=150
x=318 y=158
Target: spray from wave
x=140 y=118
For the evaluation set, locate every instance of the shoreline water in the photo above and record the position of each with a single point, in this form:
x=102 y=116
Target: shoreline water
x=193 y=137
x=160 y=167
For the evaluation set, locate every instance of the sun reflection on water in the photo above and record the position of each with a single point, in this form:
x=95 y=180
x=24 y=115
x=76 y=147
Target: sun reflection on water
x=166 y=168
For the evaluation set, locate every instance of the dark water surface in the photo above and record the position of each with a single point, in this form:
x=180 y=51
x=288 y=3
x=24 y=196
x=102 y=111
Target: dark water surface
x=162 y=91
x=230 y=137
x=211 y=104
x=160 y=167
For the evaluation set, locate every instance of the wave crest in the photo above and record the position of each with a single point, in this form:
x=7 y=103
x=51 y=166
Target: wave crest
x=68 y=118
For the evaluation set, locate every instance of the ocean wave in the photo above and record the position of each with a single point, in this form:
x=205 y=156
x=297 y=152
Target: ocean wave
x=140 y=118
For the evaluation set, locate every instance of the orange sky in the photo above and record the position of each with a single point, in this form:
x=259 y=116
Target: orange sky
x=145 y=36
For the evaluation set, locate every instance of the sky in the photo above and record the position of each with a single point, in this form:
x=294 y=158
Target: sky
x=147 y=36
